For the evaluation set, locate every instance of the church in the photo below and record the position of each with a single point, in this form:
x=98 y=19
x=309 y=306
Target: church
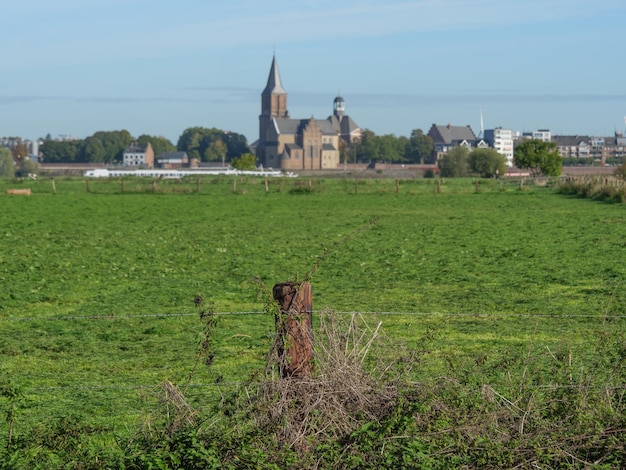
x=300 y=144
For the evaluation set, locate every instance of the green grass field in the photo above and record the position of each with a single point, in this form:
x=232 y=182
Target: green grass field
x=97 y=288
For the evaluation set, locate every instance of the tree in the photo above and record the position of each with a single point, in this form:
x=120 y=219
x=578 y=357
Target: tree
x=487 y=162
x=541 y=158
x=237 y=144
x=216 y=151
x=92 y=150
x=420 y=148
x=159 y=144
x=66 y=151
x=367 y=147
x=7 y=166
x=20 y=150
x=388 y=147
x=247 y=161
x=114 y=143
x=454 y=163
x=26 y=166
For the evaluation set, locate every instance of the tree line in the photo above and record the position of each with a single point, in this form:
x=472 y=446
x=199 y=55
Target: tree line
x=418 y=148
x=108 y=146
x=212 y=144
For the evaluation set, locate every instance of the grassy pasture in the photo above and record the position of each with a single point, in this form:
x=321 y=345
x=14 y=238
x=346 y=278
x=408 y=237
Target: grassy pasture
x=97 y=288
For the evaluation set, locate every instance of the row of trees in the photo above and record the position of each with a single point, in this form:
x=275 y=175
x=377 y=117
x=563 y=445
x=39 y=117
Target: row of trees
x=418 y=148
x=541 y=158
x=460 y=161
x=108 y=146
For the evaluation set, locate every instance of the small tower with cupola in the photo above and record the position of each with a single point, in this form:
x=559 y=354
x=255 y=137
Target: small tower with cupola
x=339 y=107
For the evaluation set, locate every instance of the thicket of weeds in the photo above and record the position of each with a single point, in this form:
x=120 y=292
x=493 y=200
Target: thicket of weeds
x=360 y=409
x=611 y=189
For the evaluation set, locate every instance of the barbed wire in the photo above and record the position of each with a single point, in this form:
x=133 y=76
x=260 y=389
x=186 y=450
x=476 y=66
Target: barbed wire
x=502 y=315
x=248 y=383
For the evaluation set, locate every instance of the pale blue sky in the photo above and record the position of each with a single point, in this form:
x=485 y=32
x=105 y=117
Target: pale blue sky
x=158 y=67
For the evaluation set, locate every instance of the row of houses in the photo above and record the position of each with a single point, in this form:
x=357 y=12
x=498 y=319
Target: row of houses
x=600 y=150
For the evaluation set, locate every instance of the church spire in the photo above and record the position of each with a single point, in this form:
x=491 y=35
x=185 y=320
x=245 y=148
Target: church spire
x=274 y=97
x=274 y=84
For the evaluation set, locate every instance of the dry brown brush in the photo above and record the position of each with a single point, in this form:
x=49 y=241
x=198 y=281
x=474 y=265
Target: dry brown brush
x=354 y=382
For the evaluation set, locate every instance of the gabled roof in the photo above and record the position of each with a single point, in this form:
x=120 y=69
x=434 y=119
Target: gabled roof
x=274 y=85
x=570 y=140
x=451 y=134
x=136 y=147
x=293 y=126
x=343 y=126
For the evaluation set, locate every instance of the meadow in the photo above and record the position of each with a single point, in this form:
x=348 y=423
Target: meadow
x=98 y=280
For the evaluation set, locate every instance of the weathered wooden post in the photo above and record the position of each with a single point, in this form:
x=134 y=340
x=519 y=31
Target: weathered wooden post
x=294 y=329
x=267 y=186
x=54 y=187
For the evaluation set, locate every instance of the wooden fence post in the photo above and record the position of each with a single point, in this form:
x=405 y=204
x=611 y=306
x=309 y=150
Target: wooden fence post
x=267 y=187
x=294 y=329
x=54 y=187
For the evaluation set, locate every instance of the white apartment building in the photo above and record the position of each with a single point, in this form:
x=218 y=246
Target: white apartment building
x=502 y=141
x=542 y=134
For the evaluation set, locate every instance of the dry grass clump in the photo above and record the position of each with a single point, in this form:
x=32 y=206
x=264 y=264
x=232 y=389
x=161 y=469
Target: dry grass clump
x=173 y=413
x=351 y=385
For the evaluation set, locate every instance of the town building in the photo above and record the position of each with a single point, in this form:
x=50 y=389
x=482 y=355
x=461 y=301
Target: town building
x=501 y=140
x=601 y=150
x=542 y=134
x=449 y=136
x=138 y=155
x=573 y=146
x=170 y=160
x=300 y=144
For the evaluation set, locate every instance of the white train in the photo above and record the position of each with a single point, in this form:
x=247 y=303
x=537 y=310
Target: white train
x=180 y=173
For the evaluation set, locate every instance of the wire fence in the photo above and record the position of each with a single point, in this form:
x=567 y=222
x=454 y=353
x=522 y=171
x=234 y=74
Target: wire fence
x=88 y=389
x=81 y=387
x=503 y=315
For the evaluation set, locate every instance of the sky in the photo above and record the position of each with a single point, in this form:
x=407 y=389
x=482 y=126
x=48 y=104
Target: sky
x=156 y=67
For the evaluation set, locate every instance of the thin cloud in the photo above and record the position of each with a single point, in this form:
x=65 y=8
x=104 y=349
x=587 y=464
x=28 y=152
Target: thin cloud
x=192 y=26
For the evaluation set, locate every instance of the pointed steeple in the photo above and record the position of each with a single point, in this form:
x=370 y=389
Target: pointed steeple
x=274 y=97
x=274 y=85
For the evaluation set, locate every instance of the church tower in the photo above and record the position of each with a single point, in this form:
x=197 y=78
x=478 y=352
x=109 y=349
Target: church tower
x=339 y=107
x=273 y=105
x=274 y=97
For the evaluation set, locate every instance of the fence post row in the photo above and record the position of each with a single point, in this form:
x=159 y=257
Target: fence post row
x=294 y=329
